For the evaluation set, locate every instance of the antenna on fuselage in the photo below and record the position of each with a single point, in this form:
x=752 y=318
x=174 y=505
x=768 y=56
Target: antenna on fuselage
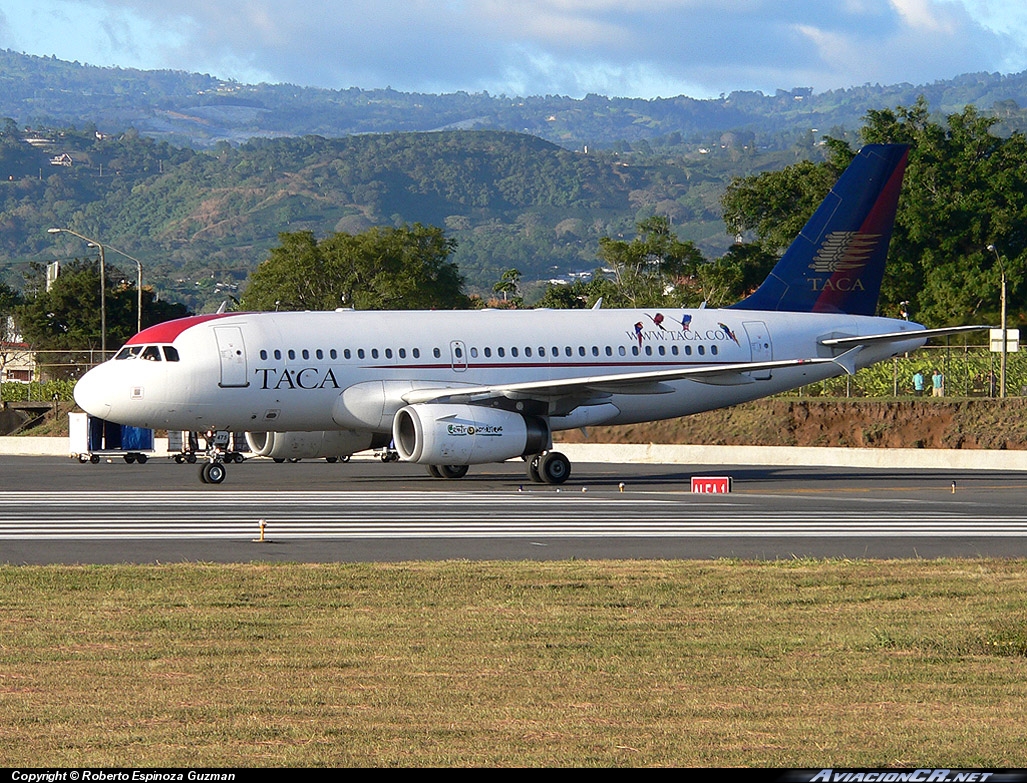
x=598 y=304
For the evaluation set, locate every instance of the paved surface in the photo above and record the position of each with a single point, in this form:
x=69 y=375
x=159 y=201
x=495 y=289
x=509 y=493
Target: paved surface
x=54 y=510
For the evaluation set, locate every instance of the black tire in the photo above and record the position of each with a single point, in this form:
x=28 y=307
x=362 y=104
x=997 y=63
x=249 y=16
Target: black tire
x=344 y=459
x=531 y=467
x=94 y=458
x=141 y=459
x=180 y=458
x=190 y=458
x=213 y=472
x=238 y=458
x=554 y=468
x=433 y=471
x=331 y=460
x=452 y=471
x=83 y=458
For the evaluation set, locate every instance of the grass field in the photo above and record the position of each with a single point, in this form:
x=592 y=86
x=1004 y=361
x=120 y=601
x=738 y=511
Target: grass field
x=785 y=664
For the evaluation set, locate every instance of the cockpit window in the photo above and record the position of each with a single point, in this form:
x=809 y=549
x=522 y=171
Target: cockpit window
x=170 y=353
x=129 y=352
x=151 y=353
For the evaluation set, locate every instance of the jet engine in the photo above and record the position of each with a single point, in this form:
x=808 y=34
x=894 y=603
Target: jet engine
x=308 y=445
x=451 y=434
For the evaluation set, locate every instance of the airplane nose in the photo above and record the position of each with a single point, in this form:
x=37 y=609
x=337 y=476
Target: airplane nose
x=92 y=393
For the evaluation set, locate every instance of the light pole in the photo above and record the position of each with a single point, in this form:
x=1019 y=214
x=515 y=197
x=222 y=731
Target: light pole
x=139 y=286
x=103 y=284
x=1002 y=361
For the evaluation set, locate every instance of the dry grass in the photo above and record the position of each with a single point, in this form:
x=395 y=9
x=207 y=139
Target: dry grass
x=789 y=664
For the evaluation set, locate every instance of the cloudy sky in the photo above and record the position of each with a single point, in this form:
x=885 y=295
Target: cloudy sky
x=629 y=48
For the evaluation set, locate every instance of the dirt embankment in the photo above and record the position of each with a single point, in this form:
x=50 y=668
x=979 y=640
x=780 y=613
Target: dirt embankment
x=920 y=423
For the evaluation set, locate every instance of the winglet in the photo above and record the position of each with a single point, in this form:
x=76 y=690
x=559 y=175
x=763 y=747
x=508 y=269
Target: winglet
x=836 y=264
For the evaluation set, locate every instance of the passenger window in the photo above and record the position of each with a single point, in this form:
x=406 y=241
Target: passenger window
x=417 y=353
x=488 y=353
x=595 y=350
x=609 y=351
x=319 y=354
x=474 y=353
x=662 y=350
x=374 y=353
x=388 y=353
x=541 y=350
x=436 y=353
x=360 y=353
x=634 y=350
x=278 y=354
x=674 y=350
x=702 y=350
x=527 y=351
x=688 y=350
x=171 y=353
x=263 y=354
x=292 y=354
x=306 y=354
x=334 y=354
x=714 y=349
x=621 y=350
x=513 y=351
x=346 y=353
x=648 y=350
x=567 y=350
x=402 y=353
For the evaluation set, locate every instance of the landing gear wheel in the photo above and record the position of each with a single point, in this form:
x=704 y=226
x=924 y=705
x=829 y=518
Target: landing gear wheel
x=531 y=466
x=433 y=471
x=212 y=473
x=452 y=471
x=554 y=468
x=331 y=460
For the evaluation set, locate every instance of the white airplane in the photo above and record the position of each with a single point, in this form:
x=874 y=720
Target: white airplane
x=458 y=388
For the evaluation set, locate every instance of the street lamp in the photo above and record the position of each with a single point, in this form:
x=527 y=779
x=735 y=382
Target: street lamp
x=139 y=286
x=103 y=284
x=1002 y=362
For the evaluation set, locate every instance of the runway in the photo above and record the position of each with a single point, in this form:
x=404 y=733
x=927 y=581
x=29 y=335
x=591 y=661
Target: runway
x=314 y=512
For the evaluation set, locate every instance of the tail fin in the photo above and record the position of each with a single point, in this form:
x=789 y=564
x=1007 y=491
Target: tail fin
x=836 y=263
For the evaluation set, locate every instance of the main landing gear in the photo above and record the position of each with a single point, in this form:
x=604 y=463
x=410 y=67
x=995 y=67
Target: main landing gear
x=550 y=467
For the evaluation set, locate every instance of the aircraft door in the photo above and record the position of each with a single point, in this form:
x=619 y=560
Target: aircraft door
x=458 y=355
x=232 y=352
x=761 y=347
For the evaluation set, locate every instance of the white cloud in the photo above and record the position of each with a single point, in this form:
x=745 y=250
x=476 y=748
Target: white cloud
x=625 y=47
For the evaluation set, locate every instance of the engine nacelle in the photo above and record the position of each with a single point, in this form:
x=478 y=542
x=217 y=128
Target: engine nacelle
x=449 y=434
x=308 y=445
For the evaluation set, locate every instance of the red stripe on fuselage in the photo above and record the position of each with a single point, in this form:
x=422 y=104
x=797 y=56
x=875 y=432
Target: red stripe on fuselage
x=169 y=330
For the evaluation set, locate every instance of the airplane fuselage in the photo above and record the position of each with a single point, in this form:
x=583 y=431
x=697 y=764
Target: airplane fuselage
x=353 y=370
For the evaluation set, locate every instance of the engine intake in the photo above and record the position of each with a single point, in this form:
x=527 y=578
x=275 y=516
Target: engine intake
x=450 y=434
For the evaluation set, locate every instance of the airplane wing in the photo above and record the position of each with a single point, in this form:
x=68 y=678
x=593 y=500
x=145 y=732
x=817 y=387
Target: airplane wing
x=650 y=382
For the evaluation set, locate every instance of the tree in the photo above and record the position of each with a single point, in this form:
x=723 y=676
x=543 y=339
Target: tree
x=67 y=317
x=380 y=269
x=507 y=286
x=652 y=270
